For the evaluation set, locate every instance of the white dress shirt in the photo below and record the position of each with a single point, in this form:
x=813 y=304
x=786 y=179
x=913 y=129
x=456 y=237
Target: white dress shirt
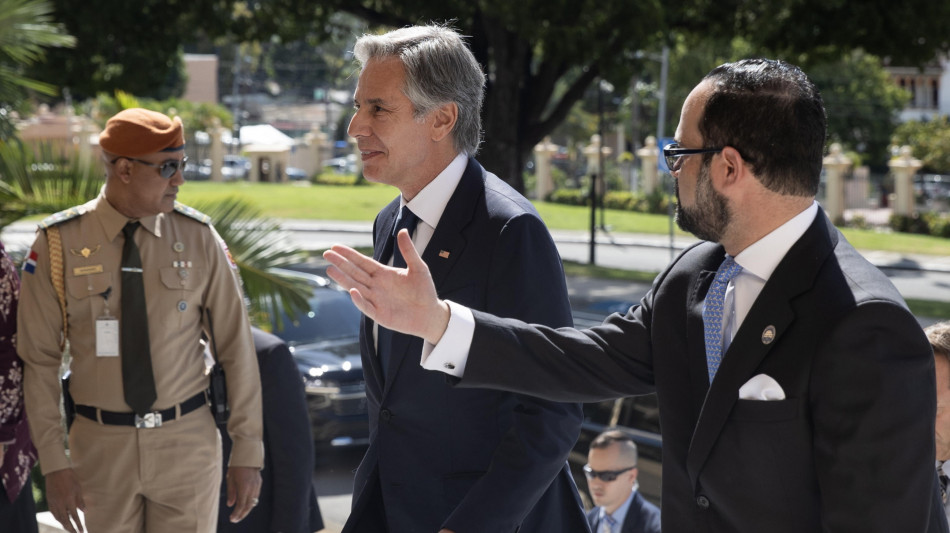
x=619 y=515
x=429 y=205
x=758 y=261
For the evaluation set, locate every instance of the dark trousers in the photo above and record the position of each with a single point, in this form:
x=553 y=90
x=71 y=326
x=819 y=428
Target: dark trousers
x=20 y=515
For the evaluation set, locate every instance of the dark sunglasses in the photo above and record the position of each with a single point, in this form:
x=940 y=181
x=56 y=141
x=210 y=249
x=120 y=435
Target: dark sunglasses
x=166 y=169
x=673 y=154
x=606 y=475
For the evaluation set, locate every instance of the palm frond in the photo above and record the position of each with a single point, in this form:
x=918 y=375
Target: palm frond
x=26 y=28
x=43 y=181
x=258 y=246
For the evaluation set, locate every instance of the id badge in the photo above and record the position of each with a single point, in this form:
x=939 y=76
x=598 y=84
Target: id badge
x=107 y=337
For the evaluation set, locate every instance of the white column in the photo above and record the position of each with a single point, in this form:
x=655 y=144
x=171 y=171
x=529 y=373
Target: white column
x=649 y=155
x=544 y=182
x=903 y=167
x=836 y=164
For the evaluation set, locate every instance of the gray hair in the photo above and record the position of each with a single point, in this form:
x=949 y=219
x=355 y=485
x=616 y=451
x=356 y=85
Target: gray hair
x=440 y=69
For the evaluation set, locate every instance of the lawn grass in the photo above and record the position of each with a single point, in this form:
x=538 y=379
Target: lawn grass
x=329 y=202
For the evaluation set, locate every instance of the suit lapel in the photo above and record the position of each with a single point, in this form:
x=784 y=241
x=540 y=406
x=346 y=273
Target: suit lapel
x=382 y=228
x=794 y=275
x=441 y=253
x=448 y=242
x=695 y=333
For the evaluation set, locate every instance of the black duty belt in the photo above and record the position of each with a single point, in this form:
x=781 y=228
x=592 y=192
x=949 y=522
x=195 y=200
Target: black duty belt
x=153 y=419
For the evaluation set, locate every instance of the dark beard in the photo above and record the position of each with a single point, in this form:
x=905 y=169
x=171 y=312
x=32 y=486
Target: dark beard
x=707 y=219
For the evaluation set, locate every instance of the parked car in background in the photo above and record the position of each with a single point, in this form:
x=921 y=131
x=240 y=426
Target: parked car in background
x=297 y=174
x=637 y=416
x=932 y=190
x=235 y=167
x=343 y=165
x=325 y=345
x=197 y=171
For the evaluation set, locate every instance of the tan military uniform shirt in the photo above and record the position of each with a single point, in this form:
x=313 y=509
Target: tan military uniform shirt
x=185 y=268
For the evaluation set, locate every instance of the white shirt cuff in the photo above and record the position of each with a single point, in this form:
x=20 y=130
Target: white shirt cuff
x=451 y=353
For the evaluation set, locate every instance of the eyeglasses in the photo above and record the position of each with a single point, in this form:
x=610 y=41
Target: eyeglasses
x=673 y=154
x=166 y=169
x=606 y=475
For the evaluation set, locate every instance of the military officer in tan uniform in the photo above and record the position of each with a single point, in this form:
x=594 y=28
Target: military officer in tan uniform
x=155 y=467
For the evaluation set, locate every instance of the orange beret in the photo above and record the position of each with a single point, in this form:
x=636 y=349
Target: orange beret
x=136 y=132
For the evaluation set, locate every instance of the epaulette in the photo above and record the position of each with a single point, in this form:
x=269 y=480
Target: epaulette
x=62 y=216
x=192 y=213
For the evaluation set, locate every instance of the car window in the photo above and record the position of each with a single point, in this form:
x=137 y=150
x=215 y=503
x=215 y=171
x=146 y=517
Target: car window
x=332 y=316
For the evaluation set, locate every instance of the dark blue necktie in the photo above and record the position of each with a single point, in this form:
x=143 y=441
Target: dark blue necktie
x=713 y=312
x=385 y=338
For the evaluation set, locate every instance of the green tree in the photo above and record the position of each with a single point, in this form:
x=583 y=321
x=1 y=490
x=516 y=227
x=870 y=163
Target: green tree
x=929 y=141
x=129 y=46
x=541 y=55
x=26 y=31
x=862 y=103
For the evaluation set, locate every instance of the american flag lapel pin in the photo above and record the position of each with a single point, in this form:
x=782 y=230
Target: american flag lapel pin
x=444 y=254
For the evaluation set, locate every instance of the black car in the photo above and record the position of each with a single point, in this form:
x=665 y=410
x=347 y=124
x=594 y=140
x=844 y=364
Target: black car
x=325 y=345
x=637 y=416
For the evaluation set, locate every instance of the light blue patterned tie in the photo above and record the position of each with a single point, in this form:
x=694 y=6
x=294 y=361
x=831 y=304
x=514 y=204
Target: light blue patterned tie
x=713 y=312
x=607 y=526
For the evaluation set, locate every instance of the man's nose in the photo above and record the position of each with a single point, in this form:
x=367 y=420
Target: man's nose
x=356 y=127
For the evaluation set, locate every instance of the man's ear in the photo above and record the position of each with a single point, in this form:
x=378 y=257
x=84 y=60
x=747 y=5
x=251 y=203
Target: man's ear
x=733 y=165
x=122 y=169
x=444 y=118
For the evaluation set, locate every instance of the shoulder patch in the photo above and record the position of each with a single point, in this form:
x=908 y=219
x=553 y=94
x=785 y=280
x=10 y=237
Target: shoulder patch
x=192 y=213
x=62 y=216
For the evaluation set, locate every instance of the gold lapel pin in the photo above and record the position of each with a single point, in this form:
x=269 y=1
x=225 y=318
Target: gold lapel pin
x=768 y=335
x=444 y=254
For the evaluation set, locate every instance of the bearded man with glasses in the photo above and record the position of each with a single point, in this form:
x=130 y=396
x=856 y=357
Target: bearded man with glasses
x=128 y=283
x=789 y=372
x=611 y=472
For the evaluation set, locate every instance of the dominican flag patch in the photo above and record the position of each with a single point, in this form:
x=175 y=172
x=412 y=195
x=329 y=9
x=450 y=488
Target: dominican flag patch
x=29 y=264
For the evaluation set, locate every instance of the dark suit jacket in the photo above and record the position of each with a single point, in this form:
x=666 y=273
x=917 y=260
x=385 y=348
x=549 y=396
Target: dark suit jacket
x=849 y=449
x=471 y=460
x=288 y=502
x=642 y=517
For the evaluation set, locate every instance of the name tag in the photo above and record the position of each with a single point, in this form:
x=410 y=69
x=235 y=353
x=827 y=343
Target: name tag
x=107 y=337
x=86 y=270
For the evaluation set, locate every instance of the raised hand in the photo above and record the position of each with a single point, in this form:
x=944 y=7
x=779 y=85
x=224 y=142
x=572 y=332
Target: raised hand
x=401 y=299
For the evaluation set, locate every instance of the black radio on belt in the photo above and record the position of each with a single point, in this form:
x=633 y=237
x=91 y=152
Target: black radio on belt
x=217 y=386
x=69 y=406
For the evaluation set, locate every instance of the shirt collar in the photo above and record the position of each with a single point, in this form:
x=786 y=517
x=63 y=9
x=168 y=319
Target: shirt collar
x=113 y=221
x=430 y=203
x=621 y=513
x=763 y=256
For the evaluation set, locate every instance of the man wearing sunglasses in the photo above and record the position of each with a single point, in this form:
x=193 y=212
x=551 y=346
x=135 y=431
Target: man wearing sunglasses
x=132 y=280
x=789 y=372
x=611 y=472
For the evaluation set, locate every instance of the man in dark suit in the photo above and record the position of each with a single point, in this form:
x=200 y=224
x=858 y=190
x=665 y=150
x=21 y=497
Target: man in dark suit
x=825 y=375
x=442 y=458
x=288 y=502
x=611 y=472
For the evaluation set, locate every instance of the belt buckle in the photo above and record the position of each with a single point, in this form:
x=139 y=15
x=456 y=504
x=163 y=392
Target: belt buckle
x=150 y=420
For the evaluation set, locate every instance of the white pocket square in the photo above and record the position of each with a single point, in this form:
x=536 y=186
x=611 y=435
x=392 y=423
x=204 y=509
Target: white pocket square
x=762 y=388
